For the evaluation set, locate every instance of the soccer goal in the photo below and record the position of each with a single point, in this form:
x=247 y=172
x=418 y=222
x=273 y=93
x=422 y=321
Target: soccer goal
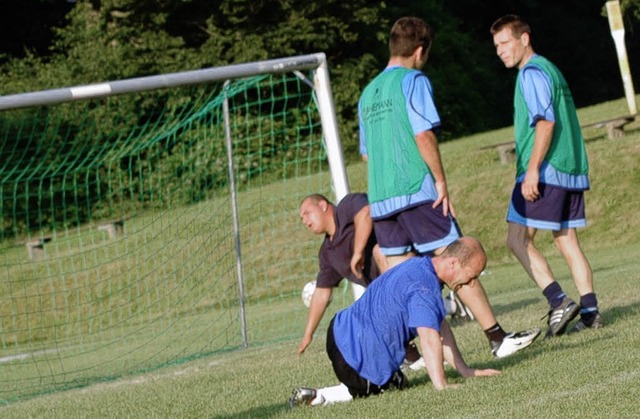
x=151 y=221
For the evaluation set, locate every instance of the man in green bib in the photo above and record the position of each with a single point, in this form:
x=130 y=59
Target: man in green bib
x=552 y=173
x=408 y=195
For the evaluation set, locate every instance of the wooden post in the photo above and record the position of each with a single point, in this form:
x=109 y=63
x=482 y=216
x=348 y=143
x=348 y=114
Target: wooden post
x=507 y=153
x=113 y=228
x=35 y=248
x=617 y=32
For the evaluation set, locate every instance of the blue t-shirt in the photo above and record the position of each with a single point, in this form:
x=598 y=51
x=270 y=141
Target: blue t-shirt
x=371 y=333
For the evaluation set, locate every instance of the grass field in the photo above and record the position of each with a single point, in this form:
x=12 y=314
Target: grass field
x=591 y=374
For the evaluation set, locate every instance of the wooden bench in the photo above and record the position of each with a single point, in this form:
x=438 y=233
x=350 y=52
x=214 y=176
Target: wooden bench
x=113 y=228
x=614 y=126
x=35 y=247
x=506 y=151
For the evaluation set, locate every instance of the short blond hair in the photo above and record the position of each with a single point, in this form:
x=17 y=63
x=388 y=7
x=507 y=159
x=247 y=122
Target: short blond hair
x=316 y=198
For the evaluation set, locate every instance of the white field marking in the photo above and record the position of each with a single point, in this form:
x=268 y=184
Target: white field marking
x=142 y=379
x=545 y=399
x=508 y=297
x=587 y=389
x=26 y=355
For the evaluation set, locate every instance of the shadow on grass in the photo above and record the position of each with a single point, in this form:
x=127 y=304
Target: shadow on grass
x=516 y=305
x=595 y=137
x=612 y=315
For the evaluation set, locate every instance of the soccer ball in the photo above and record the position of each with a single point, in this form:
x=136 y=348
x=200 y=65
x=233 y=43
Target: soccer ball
x=307 y=292
x=450 y=304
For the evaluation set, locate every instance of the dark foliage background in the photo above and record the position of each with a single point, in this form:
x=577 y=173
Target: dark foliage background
x=53 y=43
x=47 y=44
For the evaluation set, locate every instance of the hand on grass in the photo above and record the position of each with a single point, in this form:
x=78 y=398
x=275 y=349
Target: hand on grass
x=306 y=341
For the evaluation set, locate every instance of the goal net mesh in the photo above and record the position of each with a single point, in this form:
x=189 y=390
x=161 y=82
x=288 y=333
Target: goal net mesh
x=118 y=250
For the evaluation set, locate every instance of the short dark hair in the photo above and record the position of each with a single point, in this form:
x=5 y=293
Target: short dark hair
x=407 y=34
x=516 y=23
x=316 y=198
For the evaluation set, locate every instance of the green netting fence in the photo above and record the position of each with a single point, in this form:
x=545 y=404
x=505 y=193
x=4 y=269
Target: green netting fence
x=118 y=252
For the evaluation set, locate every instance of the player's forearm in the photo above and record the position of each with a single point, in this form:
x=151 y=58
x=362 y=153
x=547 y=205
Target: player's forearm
x=363 y=226
x=317 y=308
x=427 y=143
x=542 y=143
x=432 y=353
x=451 y=352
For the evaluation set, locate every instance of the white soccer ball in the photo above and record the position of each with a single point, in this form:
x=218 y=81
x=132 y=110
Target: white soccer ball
x=307 y=292
x=450 y=304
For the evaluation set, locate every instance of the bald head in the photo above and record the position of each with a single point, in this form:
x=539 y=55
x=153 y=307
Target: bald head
x=461 y=262
x=468 y=250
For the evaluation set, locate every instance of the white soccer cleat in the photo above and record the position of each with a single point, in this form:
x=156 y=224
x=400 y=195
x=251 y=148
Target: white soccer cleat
x=514 y=342
x=418 y=365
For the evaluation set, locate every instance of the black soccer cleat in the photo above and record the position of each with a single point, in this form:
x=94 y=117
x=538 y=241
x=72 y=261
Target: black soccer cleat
x=302 y=396
x=596 y=323
x=560 y=317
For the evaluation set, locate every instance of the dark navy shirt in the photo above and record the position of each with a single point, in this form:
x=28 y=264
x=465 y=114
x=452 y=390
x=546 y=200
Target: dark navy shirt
x=335 y=255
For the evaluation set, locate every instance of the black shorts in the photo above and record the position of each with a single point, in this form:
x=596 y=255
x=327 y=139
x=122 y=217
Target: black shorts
x=357 y=385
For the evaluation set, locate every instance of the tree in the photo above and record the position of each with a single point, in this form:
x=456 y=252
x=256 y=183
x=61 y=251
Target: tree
x=113 y=39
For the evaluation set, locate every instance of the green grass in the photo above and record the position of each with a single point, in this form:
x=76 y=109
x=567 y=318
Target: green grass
x=592 y=374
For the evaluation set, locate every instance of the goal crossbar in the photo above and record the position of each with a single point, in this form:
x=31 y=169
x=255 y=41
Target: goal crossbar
x=140 y=84
x=317 y=61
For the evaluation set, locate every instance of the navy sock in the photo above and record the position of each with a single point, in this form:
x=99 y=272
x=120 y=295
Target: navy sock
x=495 y=333
x=554 y=294
x=588 y=307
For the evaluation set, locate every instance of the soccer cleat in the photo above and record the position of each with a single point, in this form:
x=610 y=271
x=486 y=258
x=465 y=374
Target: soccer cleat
x=414 y=366
x=398 y=381
x=514 y=342
x=302 y=396
x=596 y=323
x=560 y=317
x=412 y=358
x=456 y=308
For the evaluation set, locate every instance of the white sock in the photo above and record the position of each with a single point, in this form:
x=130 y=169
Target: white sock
x=330 y=395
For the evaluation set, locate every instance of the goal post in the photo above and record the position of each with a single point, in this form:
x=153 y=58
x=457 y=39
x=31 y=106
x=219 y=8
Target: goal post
x=154 y=220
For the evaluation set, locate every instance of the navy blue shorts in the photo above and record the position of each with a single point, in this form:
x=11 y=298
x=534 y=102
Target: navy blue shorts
x=556 y=208
x=422 y=229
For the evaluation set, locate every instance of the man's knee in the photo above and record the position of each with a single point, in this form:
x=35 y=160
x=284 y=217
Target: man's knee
x=396 y=260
